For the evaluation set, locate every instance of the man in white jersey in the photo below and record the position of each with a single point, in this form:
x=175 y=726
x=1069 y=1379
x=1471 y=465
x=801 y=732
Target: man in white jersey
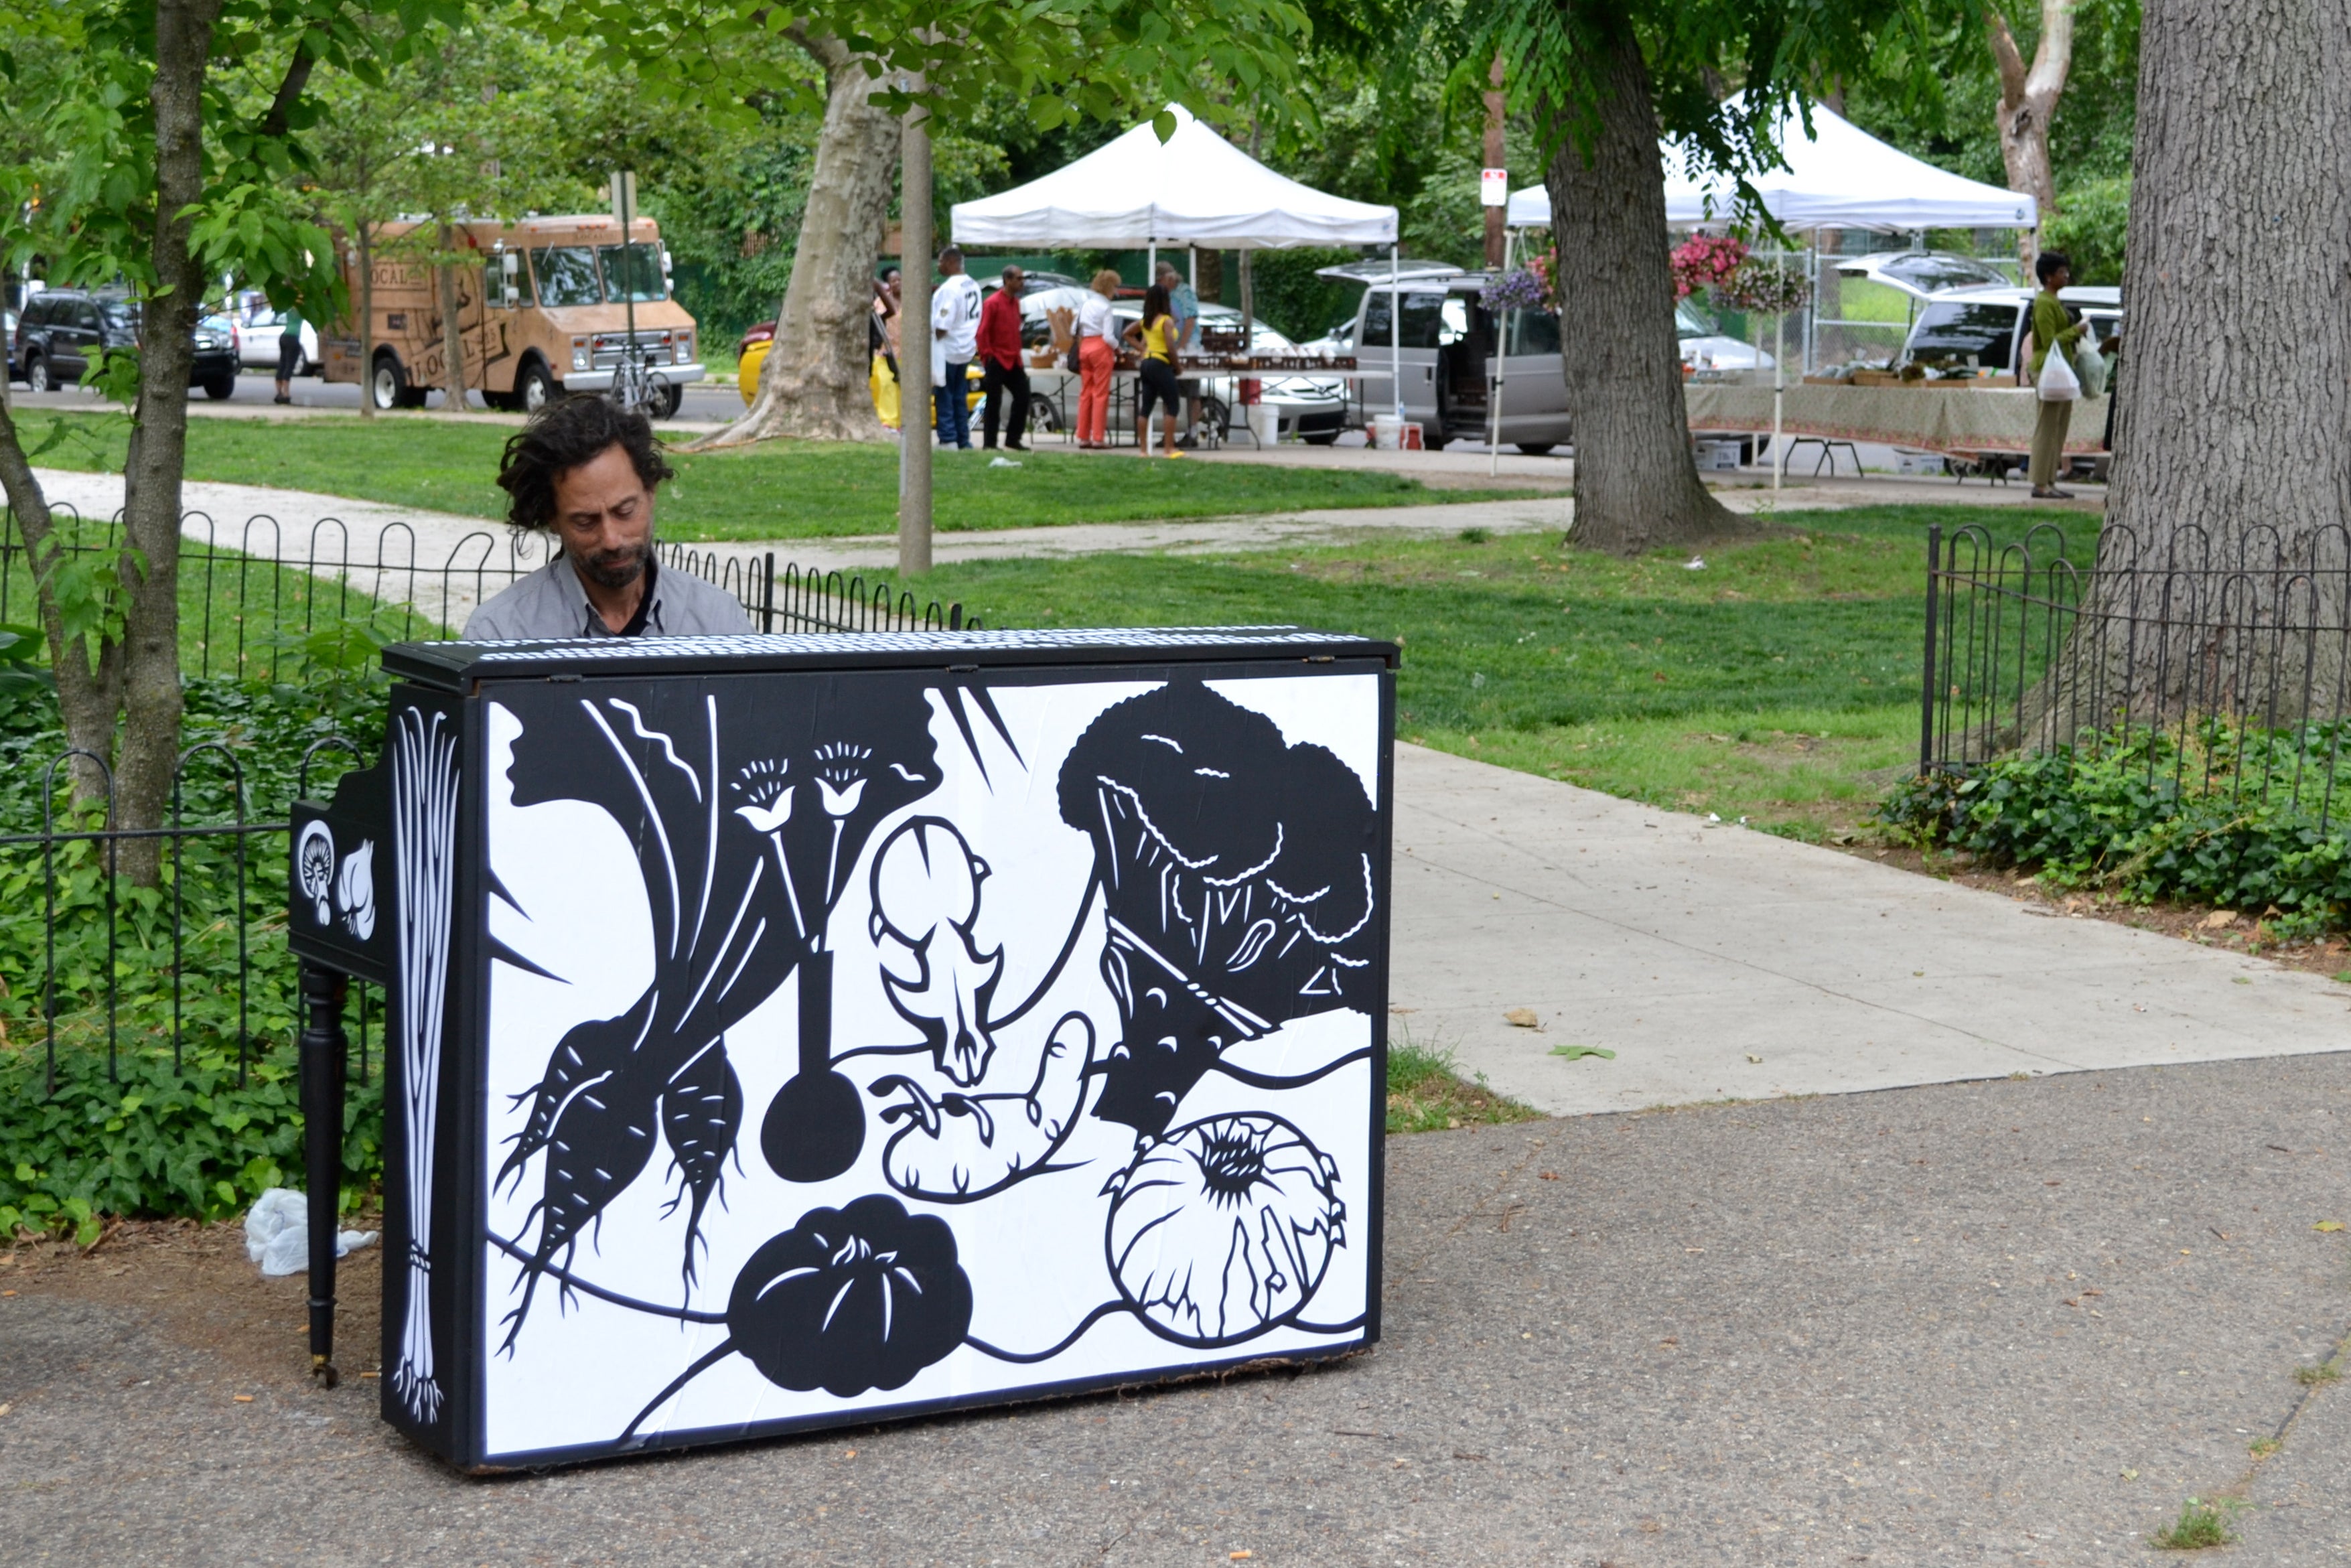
x=955 y=342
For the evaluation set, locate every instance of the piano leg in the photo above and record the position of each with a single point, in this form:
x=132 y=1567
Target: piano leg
x=322 y=1053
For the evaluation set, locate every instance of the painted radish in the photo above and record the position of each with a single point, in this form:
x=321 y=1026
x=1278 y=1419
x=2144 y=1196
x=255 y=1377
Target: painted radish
x=600 y=1143
x=591 y=1053
x=701 y=1110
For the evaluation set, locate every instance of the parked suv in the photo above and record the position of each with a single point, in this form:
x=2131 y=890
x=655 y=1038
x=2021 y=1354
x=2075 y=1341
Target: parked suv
x=61 y=330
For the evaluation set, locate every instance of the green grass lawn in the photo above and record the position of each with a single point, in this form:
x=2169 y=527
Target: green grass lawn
x=776 y=490
x=1768 y=685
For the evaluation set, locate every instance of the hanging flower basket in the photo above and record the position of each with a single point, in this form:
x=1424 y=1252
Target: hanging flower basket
x=1766 y=288
x=1525 y=289
x=1707 y=262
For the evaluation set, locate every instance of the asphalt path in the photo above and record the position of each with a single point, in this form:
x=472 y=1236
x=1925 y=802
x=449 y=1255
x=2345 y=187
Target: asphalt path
x=2002 y=1323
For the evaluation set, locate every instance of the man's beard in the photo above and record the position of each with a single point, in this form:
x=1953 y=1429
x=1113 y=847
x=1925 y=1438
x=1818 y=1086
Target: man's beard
x=615 y=568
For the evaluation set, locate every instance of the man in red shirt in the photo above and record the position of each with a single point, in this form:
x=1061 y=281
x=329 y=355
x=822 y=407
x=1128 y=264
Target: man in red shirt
x=1000 y=364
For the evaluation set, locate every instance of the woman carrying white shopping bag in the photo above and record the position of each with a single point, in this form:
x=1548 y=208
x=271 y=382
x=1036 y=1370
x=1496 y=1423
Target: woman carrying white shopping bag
x=2052 y=373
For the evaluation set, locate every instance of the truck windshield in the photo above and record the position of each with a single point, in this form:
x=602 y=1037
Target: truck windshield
x=632 y=272
x=567 y=276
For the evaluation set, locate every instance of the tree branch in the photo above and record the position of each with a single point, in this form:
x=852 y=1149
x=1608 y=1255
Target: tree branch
x=2053 y=58
x=289 y=91
x=2005 y=55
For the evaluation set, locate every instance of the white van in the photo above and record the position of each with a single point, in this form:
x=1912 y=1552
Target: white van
x=1446 y=342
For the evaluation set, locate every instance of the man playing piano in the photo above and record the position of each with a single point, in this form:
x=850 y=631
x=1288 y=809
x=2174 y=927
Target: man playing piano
x=588 y=472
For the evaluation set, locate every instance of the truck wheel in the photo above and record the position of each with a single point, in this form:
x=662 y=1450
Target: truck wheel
x=220 y=389
x=535 y=387
x=36 y=373
x=1536 y=448
x=387 y=382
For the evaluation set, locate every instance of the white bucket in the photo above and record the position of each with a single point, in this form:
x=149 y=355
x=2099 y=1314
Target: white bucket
x=1265 y=422
x=1387 y=432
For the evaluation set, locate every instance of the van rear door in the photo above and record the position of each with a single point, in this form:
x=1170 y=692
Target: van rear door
x=1379 y=346
x=1534 y=381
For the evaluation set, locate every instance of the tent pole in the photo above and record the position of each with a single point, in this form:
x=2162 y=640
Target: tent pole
x=1779 y=388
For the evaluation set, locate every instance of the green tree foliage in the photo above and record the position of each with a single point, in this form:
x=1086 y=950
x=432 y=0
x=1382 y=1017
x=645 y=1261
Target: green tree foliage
x=2089 y=139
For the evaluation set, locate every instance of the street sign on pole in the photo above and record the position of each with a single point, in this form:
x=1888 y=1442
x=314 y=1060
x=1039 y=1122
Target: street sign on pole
x=1493 y=187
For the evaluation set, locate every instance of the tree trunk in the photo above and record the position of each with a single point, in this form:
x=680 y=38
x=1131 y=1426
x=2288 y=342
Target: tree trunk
x=1637 y=485
x=2235 y=382
x=89 y=695
x=367 y=323
x=2028 y=97
x=159 y=445
x=1212 y=277
x=814 y=384
x=452 y=340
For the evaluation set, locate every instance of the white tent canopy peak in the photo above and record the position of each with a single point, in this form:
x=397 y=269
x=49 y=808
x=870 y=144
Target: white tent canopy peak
x=1839 y=177
x=1194 y=189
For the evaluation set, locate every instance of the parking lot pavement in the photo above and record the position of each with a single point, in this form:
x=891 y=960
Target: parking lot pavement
x=2007 y=1322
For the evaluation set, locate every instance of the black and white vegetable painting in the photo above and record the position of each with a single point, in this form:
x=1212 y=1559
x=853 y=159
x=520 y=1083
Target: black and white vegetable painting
x=873 y=1041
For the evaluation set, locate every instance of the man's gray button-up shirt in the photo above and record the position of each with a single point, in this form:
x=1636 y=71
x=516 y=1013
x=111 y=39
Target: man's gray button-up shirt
x=550 y=602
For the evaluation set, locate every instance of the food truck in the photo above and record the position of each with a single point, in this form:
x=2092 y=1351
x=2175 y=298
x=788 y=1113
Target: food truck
x=544 y=307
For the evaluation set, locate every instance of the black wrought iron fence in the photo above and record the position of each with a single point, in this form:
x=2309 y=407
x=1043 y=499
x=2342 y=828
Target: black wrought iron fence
x=252 y=600
x=197 y=961
x=2221 y=664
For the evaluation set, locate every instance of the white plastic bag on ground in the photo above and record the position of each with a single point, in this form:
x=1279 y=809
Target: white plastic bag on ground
x=277 y=1233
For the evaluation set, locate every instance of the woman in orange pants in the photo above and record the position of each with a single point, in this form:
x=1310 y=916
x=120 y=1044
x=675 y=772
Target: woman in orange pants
x=1097 y=359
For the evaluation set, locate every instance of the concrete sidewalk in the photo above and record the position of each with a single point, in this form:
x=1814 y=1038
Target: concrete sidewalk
x=1723 y=964
x=2011 y=1324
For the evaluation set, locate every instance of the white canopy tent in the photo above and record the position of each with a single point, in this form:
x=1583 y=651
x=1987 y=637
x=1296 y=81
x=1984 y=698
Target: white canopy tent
x=1196 y=189
x=1839 y=177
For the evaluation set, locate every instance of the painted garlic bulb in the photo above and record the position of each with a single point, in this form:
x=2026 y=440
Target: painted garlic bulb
x=851 y=1299
x=1224 y=1228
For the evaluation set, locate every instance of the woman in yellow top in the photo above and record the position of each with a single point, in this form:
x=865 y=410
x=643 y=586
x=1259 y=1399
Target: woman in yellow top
x=1155 y=335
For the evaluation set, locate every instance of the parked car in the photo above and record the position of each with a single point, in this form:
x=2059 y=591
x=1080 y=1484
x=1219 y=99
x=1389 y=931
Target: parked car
x=1983 y=330
x=63 y=330
x=257 y=331
x=8 y=341
x=1311 y=408
x=1923 y=274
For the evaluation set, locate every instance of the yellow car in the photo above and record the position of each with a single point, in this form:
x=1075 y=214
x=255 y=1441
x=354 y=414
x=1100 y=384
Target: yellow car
x=753 y=353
